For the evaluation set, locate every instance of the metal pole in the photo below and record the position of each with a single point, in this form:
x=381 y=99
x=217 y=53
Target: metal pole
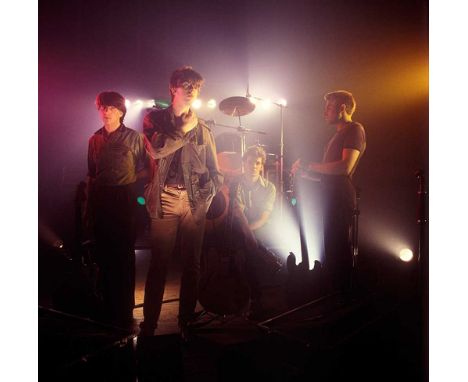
x=281 y=162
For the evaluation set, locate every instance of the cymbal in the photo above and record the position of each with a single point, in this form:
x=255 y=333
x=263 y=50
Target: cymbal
x=236 y=106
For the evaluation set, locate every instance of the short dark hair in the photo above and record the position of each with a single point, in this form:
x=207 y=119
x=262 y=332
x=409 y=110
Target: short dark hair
x=185 y=74
x=342 y=97
x=110 y=98
x=255 y=152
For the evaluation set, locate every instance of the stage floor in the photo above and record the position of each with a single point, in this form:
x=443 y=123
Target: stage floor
x=375 y=334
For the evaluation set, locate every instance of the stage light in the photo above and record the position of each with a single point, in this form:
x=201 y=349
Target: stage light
x=282 y=102
x=266 y=103
x=150 y=103
x=406 y=254
x=252 y=100
x=161 y=103
x=58 y=244
x=211 y=103
x=197 y=104
x=127 y=103
x=141 y=200
x=138 y=102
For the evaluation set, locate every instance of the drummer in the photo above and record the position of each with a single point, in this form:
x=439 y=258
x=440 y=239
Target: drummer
x=256 y=195
x=256 y=199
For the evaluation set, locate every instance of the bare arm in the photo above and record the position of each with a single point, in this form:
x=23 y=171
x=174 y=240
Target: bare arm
x=344 y=166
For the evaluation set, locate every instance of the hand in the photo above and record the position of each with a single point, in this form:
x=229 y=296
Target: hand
x=189 y=121
x=297 y=166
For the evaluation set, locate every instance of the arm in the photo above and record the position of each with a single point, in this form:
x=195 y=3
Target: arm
x=260 y=222
x=344 y=166
x=143 y=149
x=266 y=213
x=212 y=163
x=89 y=191
x=162 y=143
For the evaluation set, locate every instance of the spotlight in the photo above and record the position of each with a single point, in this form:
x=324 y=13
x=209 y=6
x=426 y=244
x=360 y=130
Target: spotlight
x=406 y=254
x=252 y=100
x=282 y=102
x=197 y=104
x=150 y=103
x=211 y=103
x=127 y=103
x=138 y=102
x=266 y=103
x=58 y=244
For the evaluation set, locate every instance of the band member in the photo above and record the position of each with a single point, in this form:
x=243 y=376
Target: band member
x=115 y=154
x=339 y=163
x=256 y=195
x=185 y=178
x=255 y=200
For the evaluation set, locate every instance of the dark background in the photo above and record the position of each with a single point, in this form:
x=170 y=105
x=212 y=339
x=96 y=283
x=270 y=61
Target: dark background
x=297 y=50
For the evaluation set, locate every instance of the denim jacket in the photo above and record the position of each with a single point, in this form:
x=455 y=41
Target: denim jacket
x=201 y=173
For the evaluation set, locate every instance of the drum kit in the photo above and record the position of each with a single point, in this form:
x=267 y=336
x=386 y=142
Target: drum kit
x=224 y=287
x=232 y=146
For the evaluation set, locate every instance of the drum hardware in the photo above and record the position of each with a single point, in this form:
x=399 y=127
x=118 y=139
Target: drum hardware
x=282 y=106
x=238 y=107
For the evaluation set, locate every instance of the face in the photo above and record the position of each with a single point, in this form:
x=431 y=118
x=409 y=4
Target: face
x=331 y=112
x=186 y=93
x=253 y=166
x=110 y=115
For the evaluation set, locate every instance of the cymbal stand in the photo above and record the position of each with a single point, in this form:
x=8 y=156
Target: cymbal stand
x=243 y=132
x=282 y=106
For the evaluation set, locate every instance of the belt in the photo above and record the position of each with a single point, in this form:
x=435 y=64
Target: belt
x=178 y=186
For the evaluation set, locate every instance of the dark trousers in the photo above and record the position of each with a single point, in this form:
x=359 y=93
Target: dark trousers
x=177 y=220
x=339 y=200
x=115 y=235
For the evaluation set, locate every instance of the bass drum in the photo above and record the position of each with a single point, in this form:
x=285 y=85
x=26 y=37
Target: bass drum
x=228 y=142
x=223 y=284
